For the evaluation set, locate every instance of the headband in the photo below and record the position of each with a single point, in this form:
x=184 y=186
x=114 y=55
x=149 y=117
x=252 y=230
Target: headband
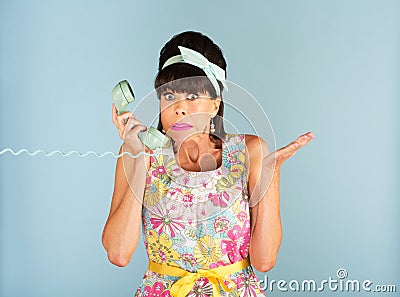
x=213 y=72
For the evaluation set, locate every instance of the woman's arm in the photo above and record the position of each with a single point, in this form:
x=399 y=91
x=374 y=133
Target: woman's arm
x=266 y=228
x=122 y=229
x=263 y=185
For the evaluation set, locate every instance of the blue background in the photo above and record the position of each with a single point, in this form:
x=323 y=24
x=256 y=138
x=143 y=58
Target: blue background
x=331 y=67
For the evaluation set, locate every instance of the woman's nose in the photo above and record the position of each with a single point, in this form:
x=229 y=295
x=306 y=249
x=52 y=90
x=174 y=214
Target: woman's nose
x=181 y=108
x=180 y=111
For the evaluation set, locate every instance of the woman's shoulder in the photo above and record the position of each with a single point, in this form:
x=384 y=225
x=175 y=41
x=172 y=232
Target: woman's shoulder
x=256 y=148
x=254 y=144
x=249 y=138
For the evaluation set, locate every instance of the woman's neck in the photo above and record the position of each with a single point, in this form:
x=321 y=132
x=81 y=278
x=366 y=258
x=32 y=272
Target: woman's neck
x=198 y=153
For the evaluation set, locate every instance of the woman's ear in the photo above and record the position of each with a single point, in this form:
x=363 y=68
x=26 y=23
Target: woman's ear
x=217 y=102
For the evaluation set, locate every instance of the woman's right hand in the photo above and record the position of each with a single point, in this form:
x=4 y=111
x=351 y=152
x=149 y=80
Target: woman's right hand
x=128 y=128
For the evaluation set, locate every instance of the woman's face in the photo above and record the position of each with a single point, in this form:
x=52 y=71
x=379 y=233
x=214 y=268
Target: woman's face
x=187 y=114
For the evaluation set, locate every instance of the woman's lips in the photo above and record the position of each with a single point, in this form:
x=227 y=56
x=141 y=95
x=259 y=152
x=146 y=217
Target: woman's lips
x=181 y=126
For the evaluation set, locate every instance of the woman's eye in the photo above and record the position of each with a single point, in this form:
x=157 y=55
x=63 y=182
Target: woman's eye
x=169 y=96
x=192 y=96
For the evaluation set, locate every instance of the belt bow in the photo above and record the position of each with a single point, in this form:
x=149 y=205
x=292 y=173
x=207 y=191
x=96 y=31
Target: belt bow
x=216 y=276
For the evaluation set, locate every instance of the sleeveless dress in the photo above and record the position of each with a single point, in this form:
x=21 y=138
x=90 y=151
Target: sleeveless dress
x=198 y=220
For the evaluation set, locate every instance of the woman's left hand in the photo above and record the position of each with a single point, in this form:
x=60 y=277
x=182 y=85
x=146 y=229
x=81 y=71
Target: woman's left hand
x=276 y=159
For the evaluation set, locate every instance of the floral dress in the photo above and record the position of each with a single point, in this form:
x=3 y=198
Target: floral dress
x=198 y=220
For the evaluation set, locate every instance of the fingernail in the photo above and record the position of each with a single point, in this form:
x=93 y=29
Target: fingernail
x=312 y=135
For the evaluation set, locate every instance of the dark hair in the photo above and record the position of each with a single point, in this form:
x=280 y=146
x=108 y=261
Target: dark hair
x=166 y=77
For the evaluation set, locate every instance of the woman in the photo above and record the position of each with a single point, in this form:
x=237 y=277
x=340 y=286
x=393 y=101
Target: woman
x=208 y=211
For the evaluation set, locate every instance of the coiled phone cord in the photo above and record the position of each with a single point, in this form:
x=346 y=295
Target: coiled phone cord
x=72 y=152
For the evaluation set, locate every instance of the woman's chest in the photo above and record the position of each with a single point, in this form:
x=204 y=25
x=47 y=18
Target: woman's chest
x=206 y=161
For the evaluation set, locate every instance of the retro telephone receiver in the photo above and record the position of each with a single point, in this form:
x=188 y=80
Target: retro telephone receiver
x=122 y=95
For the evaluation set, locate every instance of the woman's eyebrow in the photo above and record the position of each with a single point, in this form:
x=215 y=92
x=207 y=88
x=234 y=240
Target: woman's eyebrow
x=166 y=92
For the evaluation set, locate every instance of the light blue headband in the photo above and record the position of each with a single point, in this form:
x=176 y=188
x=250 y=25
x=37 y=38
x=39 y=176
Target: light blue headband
x=213 y=72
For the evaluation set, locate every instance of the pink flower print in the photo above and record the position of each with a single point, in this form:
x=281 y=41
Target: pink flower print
x=221 y=224
x=164 y=222
x=242 y=216
x=156 y=290
x=216 y=264
x=203 y=212
x=182 y=196
x=239 y=280
x=248 y=286
x=173 y=191
x=231 y=157
x=162 y=255
x=240 y=188
x=161 y=170
x=237 y=248
x=201 y=288
x=189 y=259
x=219 y=199
x=173 y=207
x=148 y=180
x=188 y=198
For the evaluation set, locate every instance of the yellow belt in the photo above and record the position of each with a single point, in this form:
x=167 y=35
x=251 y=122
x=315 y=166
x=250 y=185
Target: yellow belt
x=215 y=275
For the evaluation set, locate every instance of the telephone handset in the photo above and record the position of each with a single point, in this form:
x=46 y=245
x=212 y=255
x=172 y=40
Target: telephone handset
x=122 y=95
